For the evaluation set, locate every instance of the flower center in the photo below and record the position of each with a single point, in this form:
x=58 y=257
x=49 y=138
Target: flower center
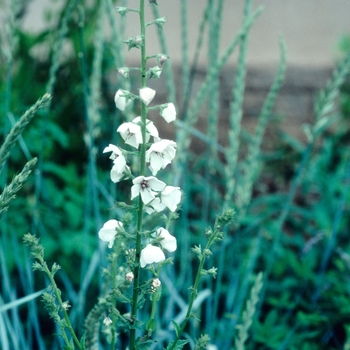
x=159 y=154
x=129 y=135
x=144 y=184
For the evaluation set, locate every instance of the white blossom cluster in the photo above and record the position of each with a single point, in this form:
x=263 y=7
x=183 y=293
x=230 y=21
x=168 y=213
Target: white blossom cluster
x=155 y=194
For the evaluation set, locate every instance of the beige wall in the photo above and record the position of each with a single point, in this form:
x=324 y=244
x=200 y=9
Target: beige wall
x=311 y=27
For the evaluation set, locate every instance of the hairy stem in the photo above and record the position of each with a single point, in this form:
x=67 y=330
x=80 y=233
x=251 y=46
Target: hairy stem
x=194 y=289
x=142 y=172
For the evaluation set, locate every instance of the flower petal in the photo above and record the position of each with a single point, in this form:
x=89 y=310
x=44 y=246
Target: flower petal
x=155 y=205
x=168 y=241
x=115 y=174
x=171 y=197
x=114 y=149
x=135 y=190
x=155 y=184
x=119 y=164
x=151 y=254
x=147 y=196
x=109 y=230
x=131 y=134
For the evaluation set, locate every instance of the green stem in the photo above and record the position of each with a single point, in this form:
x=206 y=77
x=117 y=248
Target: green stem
x=65 y=315
x=136 y=271
x=153 y=313
x=194 y=292
x=114 y=286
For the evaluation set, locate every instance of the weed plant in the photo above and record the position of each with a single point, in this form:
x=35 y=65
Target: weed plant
x=278 y=278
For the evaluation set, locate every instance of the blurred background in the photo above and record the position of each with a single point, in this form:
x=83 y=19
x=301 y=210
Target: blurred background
x=312 y=30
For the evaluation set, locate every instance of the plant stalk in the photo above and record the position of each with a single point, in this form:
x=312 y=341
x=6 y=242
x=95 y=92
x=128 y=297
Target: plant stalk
x=136 y=271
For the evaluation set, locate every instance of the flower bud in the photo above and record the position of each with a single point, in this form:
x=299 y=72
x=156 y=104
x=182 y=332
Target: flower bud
x=124 y=72
x=122 y=99
x=207 y=252
x=146 y=95
x=65 y=305
x=107 y=321
x=129 y=276
x=161 y=58
x=154 y=72
x=136 y=42
x=160 y=22
x=168 y=112
x=212 y=272
x=122 y=10
x=156 y=283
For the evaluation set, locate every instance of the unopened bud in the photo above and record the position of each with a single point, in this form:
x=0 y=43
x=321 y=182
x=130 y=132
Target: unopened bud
x=124 y=72
x=154 y=72
x=156 y=283
x=107 y=321
x=65 y=305
x=134 y=42
x=129 y=276
x=160 y=22
x=146 y=95
x=161 y=58
x=122 y=10
x=207 y=252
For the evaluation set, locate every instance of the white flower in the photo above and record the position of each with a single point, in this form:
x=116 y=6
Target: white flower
x=171 y=197
x=155 y=205
x=160 y=154
x=116 y=175
x=146 y=95
x=129 y=276
x=131 y=134
x=151 y=130
x=117 y=156
x=168 y=112
x=109 y=231
x=168 y=242
x=122 y=102
x=151 y=254
x=147 y=187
